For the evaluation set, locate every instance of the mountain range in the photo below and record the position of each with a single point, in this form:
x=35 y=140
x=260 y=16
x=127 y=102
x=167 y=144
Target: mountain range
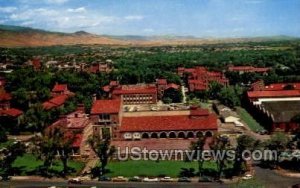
x=17 y=36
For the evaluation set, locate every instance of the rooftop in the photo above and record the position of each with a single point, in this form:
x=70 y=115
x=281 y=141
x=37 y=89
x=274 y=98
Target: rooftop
x=269 y=94
x=168 y=123
x=106 y=106
x=60 y=87
x=282 y=111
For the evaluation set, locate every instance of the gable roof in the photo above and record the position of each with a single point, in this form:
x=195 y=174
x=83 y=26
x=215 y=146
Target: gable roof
x=106 y=106
x=269 y=94
x=60 y=87
x=55 y=102
x=168 y=123
x=13 y=112
x=4 y=96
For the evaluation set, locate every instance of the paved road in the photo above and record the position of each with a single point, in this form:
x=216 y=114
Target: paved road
x=269 y=178
x=273 y=180
x=28 y=184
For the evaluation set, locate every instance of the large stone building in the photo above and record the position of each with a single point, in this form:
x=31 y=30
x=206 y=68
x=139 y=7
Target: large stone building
x=198 y=78
x=139 y=93
x=113 y=118
x=276 y=105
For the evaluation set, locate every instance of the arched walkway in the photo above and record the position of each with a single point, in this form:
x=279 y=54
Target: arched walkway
x=145 y=135
x=199 y=134
x=208 y=134
x=190 y=135
x=154 y=135
x=172 y=135
x=163 y=135
x=181 y=135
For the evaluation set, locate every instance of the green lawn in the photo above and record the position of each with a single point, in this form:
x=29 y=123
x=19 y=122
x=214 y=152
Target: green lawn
x=153 y=168
x=28 y=163
x=248 y=119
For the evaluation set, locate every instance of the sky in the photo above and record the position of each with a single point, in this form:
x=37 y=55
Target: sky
x=200 y=18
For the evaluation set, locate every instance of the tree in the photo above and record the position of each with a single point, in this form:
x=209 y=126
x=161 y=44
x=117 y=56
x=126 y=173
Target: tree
x=103 y=150
x=197 y=147
x=244 y=142
x=221 y=145
x=7 y=156
x=64 y=143
x=278 y=142
x=3 y=136
x=228 y=97
x=35 y=118
x=172 y=96
x=214 y=90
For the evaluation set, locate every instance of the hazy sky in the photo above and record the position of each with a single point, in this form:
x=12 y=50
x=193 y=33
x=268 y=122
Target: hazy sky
x=202 y=18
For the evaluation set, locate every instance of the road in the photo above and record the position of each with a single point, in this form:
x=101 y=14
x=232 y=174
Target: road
x=45 y=184
x=273 y=180
x=268 y=177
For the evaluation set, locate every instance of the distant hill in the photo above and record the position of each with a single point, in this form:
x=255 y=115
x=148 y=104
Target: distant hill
x=17 y=36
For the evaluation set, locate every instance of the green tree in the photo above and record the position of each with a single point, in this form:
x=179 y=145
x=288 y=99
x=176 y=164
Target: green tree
x=7 y=156
x=229 y=97
x=222 y=145
x=244 y=142
x=103 y=150
x=197 y=148
x=279 y=143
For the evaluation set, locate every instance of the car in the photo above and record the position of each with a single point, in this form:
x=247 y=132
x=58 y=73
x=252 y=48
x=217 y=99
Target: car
x=104 y=178
x=184 y=179
x=119 y=179
x=205 y=179
x=135 y=179
x=167 y=179
x=150 y=179
x=75 y=181
x=263 y=132
x=247 y=177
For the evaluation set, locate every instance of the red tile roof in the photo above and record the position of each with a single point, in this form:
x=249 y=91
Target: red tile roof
x=281 y=86
x=113 y=83
x=11 y=112
x=281 y=93
x=106 y=88
x=36 y=64
x=60 y=87
x=248 y=68
x=172 y=85
x=168 y=123
x=55 y=102
x=199 y=112
x=106 y=106
x=162 y=81
x=4 y=96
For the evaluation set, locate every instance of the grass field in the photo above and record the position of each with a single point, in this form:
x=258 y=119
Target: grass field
x=153 y=168
x=29 y=163
x=248 y=119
